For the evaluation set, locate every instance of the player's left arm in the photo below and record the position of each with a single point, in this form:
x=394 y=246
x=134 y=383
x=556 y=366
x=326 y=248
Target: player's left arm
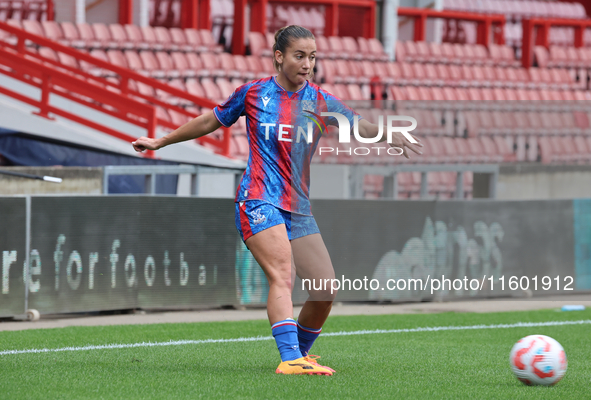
x=369 y=130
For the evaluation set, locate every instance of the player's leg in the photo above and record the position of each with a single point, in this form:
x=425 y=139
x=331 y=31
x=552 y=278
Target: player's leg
x=313 y=262
x=267 y=239
x=272 y=251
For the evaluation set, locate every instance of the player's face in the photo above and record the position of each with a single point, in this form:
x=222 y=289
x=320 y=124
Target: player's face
x=297 y=63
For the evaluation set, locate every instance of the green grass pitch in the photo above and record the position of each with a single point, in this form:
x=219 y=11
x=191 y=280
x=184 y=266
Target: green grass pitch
x=453 y=364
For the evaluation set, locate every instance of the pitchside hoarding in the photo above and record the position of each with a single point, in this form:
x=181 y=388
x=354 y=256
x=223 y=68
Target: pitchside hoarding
x=112 y=252
x=428 y=250
x=105 y=253
x=12 y=249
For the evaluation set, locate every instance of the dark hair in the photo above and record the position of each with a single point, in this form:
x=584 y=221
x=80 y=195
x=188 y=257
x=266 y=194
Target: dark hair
x=285 y=36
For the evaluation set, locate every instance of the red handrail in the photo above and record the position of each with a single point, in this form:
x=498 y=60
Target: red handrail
x=69 y=86
x=539 y=29
x=123 y=90
x=484 y=21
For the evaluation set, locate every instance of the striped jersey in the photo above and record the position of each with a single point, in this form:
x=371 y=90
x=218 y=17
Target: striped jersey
x=283 y=132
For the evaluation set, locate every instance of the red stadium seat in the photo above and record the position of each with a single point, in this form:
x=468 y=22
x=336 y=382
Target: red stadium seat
x=194 y=87
x=254 y=64
x=102 y=34
x=181 y=64
x=167 y=65
x=87 y=35
x=149 y=37
x=212 y=91
x=258 y=44
x=71 y=35
x=208 y=41
x=164 y=37
x=134 y=35
x=336 y=47
x=242 y=67
x=375 y=46
x=149 y=62
x=179 y=39
x=33 y=27
x=350 y=47
x=119 y=35
x=226 y=62
x=134 y=61
x=211 y=63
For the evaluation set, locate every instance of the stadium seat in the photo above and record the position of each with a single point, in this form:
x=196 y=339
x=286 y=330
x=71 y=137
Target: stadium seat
x=376 y=49
x=254 y=65
x=149 y=36
x=350 y=47
x=243 y=69
x=194 y=87
x=119 y=35
x=258 y=44
x=134 y=35
x=181 y=64
x=87 y=36
x=163 y=36
x=178 y=37
x=71 y=35
x=208 y=41
x=103 y=35
x=337 y=48
x=167 y=65
x=211 y=63
x=212 y=91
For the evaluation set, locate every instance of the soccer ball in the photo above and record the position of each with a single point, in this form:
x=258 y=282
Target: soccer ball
x=538 y=360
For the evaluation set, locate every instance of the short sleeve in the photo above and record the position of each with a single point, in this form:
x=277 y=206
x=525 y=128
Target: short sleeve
x=336 y=105
x=230 y=110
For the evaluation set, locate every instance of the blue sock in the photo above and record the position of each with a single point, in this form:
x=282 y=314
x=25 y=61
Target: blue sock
x=306 y=337
x=286 y=336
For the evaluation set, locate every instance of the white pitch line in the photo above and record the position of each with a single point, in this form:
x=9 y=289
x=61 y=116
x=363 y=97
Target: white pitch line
x=263 y=338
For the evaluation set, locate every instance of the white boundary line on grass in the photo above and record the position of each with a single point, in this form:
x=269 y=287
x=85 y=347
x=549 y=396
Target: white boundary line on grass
x=263 y=338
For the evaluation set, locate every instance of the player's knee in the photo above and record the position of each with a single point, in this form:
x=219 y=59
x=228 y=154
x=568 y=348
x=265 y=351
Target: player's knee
x=324 y=295
x=280 y=276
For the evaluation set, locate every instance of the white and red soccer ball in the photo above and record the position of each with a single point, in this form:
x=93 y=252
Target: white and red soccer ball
x=538 y=360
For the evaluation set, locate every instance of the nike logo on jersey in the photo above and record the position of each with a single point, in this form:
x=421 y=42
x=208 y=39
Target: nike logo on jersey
x=266 y=100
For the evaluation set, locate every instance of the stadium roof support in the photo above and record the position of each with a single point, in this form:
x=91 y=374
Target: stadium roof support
x=125 y=12
x=331 y=28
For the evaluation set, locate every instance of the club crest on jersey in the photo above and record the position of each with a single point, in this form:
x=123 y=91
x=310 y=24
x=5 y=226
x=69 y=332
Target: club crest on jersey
x=308 y=105
x=257 y=217
x=266 y=100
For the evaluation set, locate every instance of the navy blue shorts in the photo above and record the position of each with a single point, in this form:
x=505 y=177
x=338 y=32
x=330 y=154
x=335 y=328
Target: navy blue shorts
x=254 y=216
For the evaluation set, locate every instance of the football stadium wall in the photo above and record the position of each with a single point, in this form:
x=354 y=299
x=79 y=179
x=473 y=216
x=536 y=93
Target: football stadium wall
x=122 y=252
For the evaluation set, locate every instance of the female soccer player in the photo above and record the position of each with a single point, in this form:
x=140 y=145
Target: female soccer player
x=273 y=214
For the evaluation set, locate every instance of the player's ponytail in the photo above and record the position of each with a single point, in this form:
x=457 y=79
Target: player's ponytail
x=285 y=36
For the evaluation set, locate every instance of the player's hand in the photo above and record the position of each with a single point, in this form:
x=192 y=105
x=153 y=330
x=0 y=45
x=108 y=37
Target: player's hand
x=400 y=141
x=142 y=144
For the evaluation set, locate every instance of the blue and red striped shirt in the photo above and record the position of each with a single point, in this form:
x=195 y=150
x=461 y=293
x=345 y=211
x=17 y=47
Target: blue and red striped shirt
x=282 y=137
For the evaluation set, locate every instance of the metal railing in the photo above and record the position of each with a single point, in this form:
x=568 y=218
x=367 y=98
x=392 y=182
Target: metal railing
x=151 y=171
x=391 y=178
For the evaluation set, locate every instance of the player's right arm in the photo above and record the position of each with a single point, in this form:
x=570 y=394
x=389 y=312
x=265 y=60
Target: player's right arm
x=197 y=127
